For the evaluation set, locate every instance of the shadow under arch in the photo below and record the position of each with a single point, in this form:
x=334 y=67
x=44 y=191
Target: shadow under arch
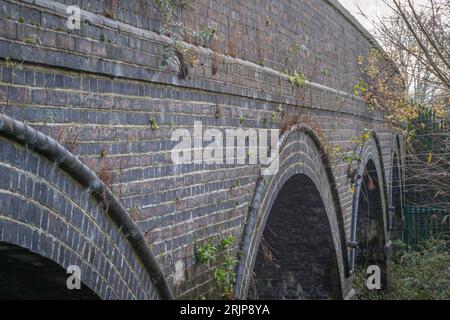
x=25 y=275
x=304 y=155
x=296 y=258
x=370 y=226
x=369 y=213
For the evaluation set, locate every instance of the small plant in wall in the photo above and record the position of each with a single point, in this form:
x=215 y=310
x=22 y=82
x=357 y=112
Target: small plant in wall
x=362 y=138
x=205 y=254
x=293 y=51
x=176 y=55
x=153 y=124
x=169 y=55
x=273 y=116
x=49 y=118
x=225 y=276
x=224 y=271
x=359 y=88
x=227 y=242
x=110 y=11
x=32 y=39
x=241 y=119
x=298 y=79
x=203 y=37
x=349 y=155
x=167 y=9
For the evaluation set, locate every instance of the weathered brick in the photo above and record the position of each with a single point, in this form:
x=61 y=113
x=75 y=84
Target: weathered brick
x=103 y=96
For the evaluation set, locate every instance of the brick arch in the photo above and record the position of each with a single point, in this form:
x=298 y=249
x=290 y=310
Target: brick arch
x=301 y=158
x=370 y=234
x=371 y=168
x=53 y=205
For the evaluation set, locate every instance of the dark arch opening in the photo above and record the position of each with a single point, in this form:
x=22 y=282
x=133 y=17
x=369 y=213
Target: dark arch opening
x=296 y=258
x=370 y=226
x=396 y=214
x=25 y=275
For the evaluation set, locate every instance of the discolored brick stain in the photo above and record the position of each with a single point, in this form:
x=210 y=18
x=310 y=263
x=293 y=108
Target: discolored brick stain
x=101 y=95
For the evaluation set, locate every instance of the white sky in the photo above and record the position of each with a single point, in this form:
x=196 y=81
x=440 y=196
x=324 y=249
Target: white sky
x=372 y=8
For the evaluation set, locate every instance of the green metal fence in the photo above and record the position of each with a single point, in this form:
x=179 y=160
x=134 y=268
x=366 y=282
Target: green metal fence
x=425 y=223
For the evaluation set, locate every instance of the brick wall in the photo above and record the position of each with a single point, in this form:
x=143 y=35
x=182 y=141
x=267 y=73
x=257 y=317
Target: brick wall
x=96 y=89
x=263 y=31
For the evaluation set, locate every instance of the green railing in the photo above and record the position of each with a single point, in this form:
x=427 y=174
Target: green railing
x=425 y=223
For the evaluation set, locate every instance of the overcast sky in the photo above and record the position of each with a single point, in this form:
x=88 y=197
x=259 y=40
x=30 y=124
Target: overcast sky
x=373 y=8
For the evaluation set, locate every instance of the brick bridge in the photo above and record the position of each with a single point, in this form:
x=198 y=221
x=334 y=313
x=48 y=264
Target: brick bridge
x=86 y=177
